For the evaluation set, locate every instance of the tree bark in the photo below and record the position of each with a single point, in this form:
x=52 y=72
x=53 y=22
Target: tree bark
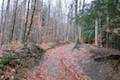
x=14 y=21
x=2 y=11
x=2 y=14
x=26 y=23
x=31 y=22
x=5 y=22
x=96 y=32
x=77 y=45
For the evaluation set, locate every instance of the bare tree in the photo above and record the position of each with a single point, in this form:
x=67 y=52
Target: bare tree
x=2 y=11
x=77 y=45
x=5 y=21
x=96 y=32
x=2 y=15
x=22 y=18
x=26 y=23
x=14 y=21
x=31 y=22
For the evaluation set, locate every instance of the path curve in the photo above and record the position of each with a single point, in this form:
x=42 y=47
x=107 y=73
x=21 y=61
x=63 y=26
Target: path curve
x=61 y=63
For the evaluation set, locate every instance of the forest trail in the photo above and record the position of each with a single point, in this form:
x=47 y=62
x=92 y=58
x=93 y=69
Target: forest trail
x=64 y=63
x=61 y=63
x=27 y=26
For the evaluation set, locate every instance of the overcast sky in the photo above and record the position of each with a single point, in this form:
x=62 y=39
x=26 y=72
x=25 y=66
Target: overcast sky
x=68 y=1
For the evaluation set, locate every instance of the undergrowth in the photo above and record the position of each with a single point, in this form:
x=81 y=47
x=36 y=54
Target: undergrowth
x=16 y=65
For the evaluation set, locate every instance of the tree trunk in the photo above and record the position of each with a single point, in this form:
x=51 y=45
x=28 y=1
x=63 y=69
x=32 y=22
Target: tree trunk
x=77 y=45
x=5 y=22
x=2 y=14
x=26 y=23
x=14 y=21
x=2 y=11
x=22 y=14
x=96 y=32
x=30 y=26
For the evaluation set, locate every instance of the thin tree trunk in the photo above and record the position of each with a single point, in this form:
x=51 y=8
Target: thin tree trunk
x=31 y=22
x=96 y=32
x=100 y=34
x=5 y=21
x=14 y=21
x=107 y=33
x=23 y=13
x=77 y=45
x=2 y=12
x=26 y=23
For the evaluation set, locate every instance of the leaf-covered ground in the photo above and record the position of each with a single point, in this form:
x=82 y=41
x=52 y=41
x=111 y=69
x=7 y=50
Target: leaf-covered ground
x=60 y=63
x=64 y=63
x=16 y=65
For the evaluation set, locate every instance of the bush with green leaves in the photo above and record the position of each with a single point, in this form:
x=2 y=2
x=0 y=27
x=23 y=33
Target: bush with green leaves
x=6 y=59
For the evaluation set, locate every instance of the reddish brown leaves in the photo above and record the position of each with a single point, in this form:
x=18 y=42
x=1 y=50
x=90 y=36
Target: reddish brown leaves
x=60 y=63
x=68 y=73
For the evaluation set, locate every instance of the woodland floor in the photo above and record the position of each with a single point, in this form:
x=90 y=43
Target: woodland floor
x=64 y=63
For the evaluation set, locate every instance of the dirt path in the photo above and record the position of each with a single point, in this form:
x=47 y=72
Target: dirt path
x=61 y=63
